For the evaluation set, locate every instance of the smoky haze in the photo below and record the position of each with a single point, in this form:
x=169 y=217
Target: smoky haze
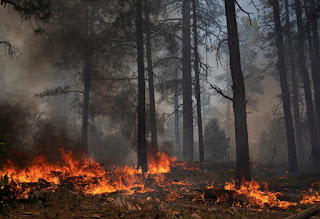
x=45 y=77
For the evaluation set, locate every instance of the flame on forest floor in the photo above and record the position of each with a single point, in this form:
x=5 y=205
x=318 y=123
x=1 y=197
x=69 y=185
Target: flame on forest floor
x=310 y=197
x=89 y=177
x=256 y=195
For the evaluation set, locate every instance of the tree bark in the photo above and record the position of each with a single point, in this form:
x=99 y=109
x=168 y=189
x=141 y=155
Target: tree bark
x=142 y=152
x=197 y=77
x=229 y=125
x=316 y=56
x=153 y=119
x=88 y=53
x=86 y=99
x=314 y=65
x=239 y=95
x=292 y=156
x=307 y=86
x=177 y=120
x=295 y=91
x=187 y=84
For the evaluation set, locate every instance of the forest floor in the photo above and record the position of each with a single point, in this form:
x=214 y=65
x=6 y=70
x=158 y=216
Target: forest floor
x=194 y=202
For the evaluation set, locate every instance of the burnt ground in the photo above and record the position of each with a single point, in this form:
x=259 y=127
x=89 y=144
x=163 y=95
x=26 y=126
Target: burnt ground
x=189 y=203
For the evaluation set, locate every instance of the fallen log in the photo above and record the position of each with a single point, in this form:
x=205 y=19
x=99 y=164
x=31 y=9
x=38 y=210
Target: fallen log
x=305 y=213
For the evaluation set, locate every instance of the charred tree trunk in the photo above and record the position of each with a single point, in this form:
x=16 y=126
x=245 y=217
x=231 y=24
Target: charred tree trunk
x=316 y=57
x=86 y=99
x=229 y=123
x=197 y=77
x=229 y=120
x=153 y=119
x=307 y=86
x=315 y=35
x=177 y=119
x=292 y=156
x=142 y=152
x=187 y=84
x=314 y=62
x=239 y=95
x=295 y=90
x=86 y=79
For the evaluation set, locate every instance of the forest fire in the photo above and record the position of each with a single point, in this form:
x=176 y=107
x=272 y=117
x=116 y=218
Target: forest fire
x=218 y=107
x=310 y=197
x=87 y=175
x=90 y=178
x=260 y=196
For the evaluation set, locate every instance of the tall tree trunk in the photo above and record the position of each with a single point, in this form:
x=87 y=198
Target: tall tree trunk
x=239 y=95
x=229 y=119
x=228 y=108
x=87 y=78
x=86 y=99
x=295 y=91
x=197 y=77
x=307 y=86
x=142 y=152
x=315 y=35
x=314 y=62
x=316 y=56
x=153 y=120
x=229 y=122
x=292 y=156
x=187 y=84
x=177 y=120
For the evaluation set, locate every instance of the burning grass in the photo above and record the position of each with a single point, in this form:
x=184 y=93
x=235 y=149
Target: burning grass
x=88 y=178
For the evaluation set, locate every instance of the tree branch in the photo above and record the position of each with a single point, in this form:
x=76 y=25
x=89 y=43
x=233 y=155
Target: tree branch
x=244 y=11
x=219 y=91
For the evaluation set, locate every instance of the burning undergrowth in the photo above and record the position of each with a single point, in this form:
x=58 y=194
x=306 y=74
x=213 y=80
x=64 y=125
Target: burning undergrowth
x=86 y=176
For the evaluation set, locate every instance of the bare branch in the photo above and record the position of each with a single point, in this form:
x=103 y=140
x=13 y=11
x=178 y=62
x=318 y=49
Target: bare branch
x=219 y=91
x=10 y=50
x=244 y=11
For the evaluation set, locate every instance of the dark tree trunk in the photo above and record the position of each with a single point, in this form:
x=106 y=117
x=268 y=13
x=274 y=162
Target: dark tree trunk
x=153 y=120
x=316 y=57
x=307 y=86
x=229 y=125
x=315 y=35
x=86 y=99
x=87 y=78
x=177 y=119
x=142 y=152
x=197 y=77
x=187 y=84
x=229 y=121
x=314 y=63
x=292 y=156
x=295 y=90
x=239 y=95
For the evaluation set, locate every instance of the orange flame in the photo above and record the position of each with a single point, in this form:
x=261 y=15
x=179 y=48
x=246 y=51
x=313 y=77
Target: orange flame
x=160 y=163
x=310 y=197
x=89 y=176
x=256 y=196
